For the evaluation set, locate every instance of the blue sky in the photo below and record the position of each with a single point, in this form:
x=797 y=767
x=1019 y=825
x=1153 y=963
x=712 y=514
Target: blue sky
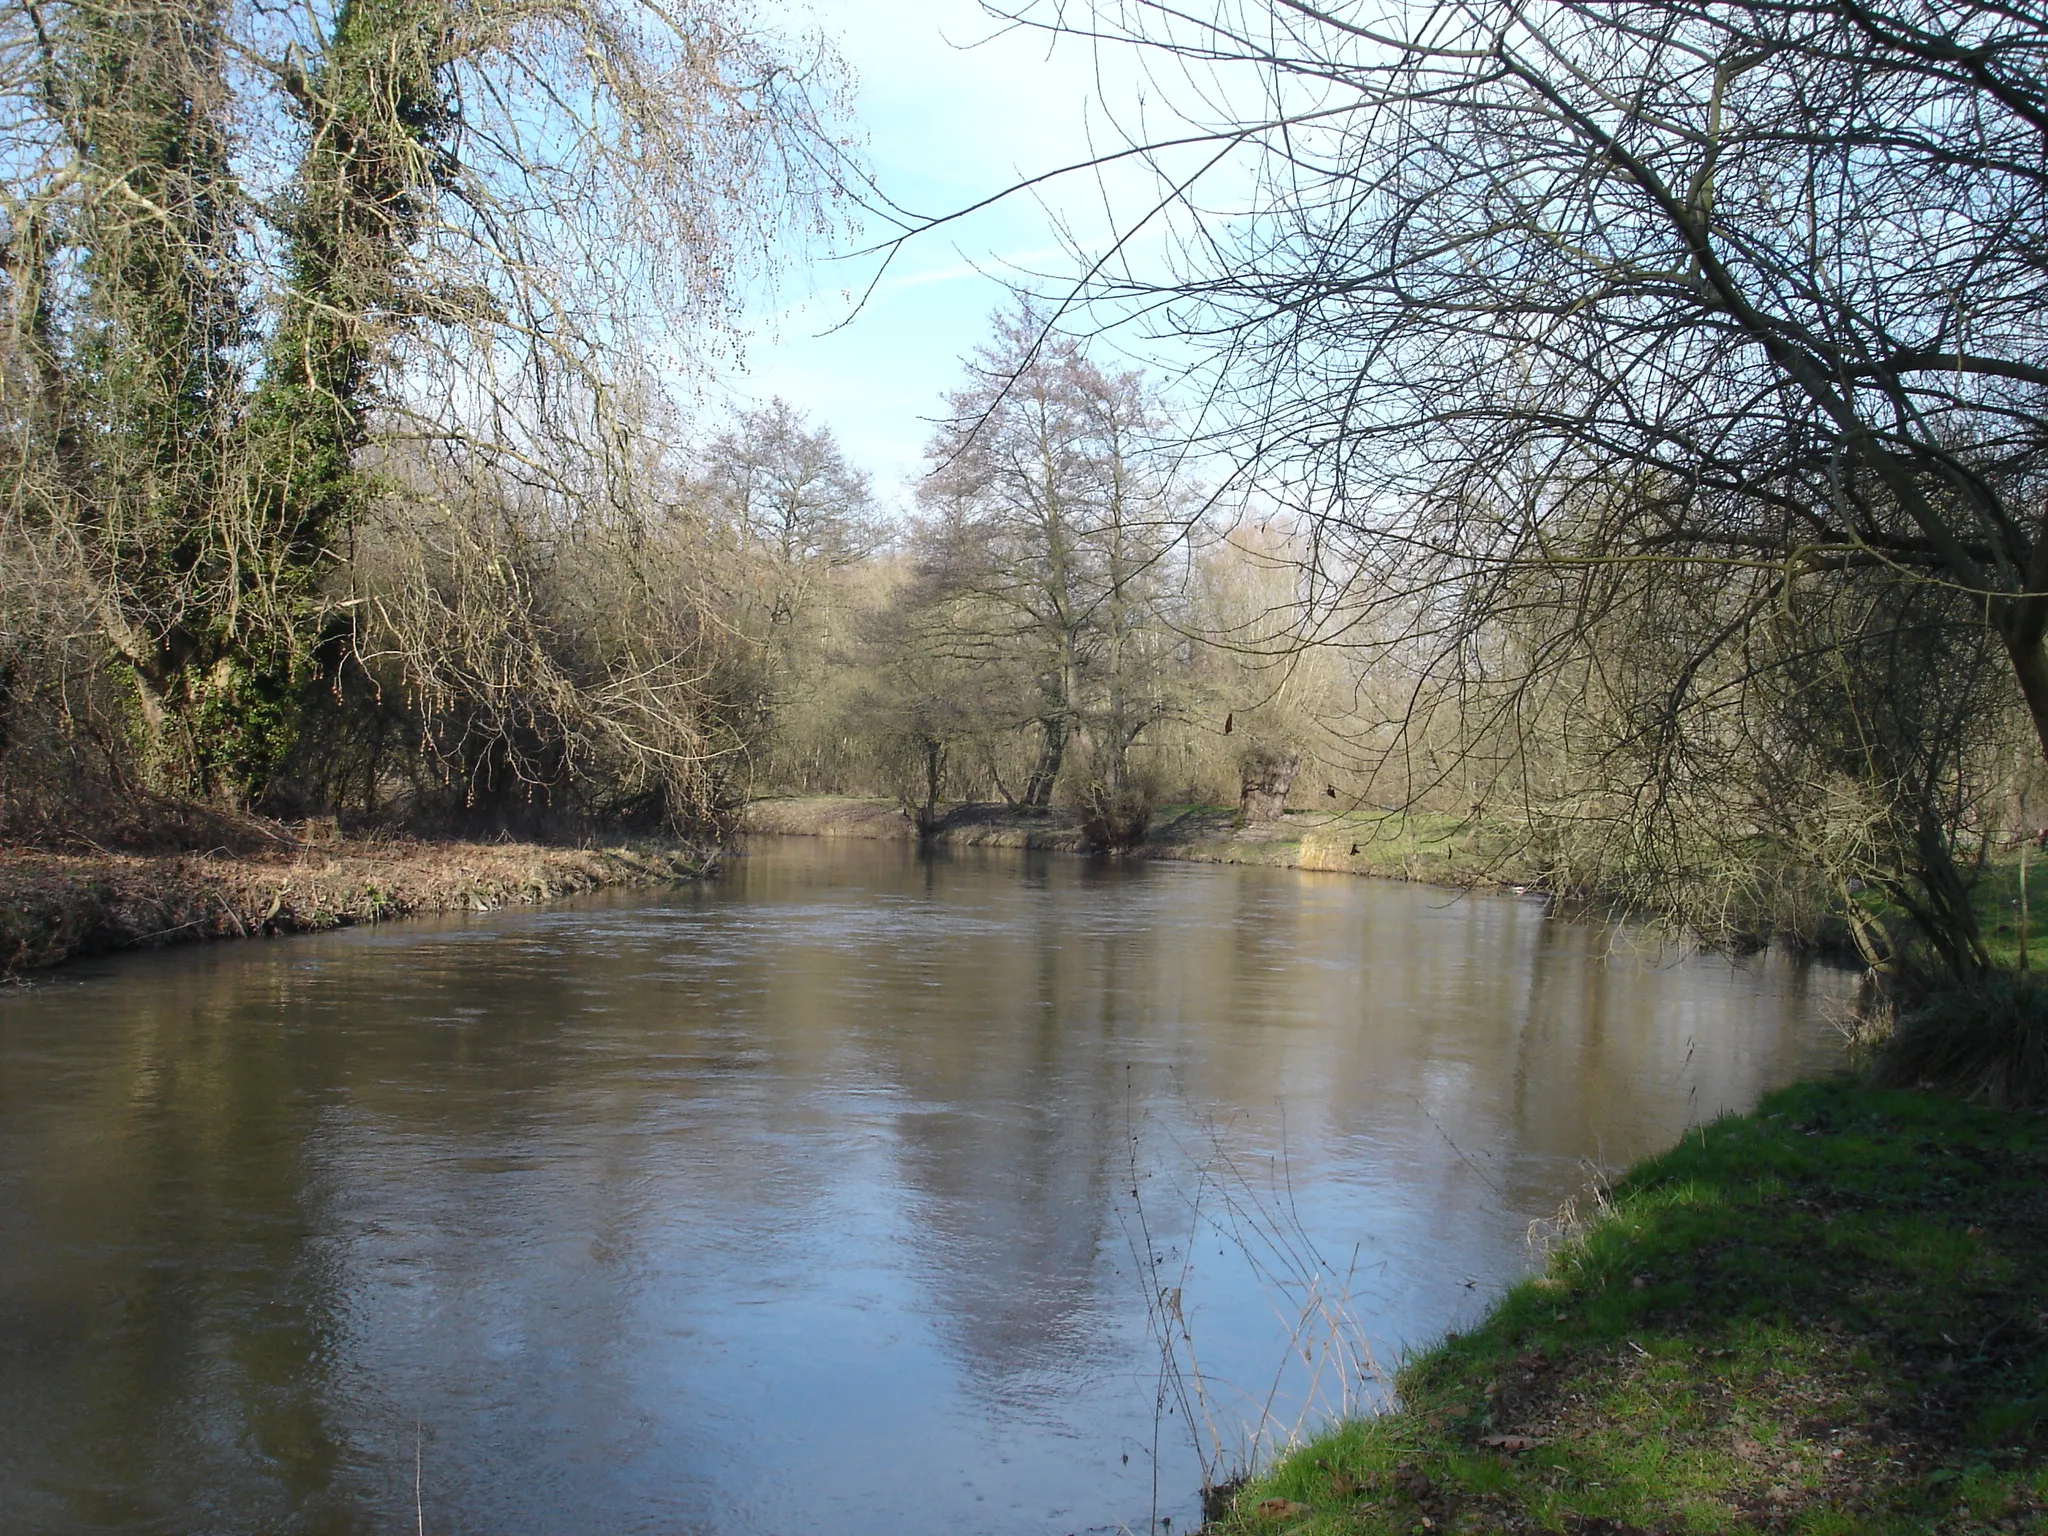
x=951 y=111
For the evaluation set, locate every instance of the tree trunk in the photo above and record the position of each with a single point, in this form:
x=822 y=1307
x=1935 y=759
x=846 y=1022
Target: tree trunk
x=2030 y=669
x=1045 y=772
x=1264 y=781
x=934 y=785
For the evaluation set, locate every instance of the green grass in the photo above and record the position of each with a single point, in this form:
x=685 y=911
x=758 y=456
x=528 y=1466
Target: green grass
x=1996 y=895
x=1830 y=1316
x=1402 y=845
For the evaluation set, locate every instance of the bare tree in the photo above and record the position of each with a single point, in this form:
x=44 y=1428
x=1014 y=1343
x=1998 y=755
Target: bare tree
x=788 y=489
x=800 y=518
x=559 y=662
x=1531 y=307
x=1056 y=519
x=923 y=703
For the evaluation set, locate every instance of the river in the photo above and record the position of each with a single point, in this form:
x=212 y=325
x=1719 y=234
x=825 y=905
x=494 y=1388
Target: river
x=852 y=1192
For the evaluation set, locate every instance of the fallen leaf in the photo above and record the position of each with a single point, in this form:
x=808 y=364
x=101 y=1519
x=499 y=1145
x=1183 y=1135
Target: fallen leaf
x=1514 y=1445
x=1413 y=1482
x=1280 y=1509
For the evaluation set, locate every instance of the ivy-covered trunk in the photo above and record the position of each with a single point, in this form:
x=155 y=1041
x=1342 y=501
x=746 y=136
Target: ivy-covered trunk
x=373 y=110
x=211 y=504
x=148 y=407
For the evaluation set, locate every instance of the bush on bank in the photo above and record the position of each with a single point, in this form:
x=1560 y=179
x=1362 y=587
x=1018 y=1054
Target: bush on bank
x=1989 y=1044
x=1829 y=1316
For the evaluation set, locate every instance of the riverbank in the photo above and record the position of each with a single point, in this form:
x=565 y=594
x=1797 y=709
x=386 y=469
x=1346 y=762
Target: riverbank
x=1829 y=1316
x=1442 y=850
x=59 y=906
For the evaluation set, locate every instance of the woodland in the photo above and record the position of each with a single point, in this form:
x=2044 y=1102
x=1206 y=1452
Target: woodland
x=1610 y=436
x=1618 y=424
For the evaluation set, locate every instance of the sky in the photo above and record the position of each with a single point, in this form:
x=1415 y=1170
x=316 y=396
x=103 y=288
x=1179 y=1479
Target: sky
x=951 y=111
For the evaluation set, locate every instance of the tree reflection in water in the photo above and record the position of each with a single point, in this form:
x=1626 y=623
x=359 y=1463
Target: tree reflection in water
x=800 y=1201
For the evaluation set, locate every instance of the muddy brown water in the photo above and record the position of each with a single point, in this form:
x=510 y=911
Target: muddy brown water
x=847 y=1194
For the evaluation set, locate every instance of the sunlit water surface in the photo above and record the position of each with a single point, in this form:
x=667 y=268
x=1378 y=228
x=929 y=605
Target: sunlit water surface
x=836 y=1196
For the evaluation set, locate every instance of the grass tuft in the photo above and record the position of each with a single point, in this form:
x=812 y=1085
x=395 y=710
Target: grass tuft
x=1990 y=1044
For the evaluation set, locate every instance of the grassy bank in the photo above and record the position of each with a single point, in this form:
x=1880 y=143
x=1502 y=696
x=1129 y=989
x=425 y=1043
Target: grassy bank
x=54 y=906
x=1439 y=849
x=1445 y=850
x=1997 y=893
x=1830 y=1316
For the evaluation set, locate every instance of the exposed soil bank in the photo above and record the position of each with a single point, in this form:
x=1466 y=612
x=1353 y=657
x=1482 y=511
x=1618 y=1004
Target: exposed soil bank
x=1440 y=850
x=1830 y=1316
x=54 y=906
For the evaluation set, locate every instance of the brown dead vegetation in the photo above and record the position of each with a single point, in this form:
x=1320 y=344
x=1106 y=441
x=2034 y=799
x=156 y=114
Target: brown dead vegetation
x=56 y=906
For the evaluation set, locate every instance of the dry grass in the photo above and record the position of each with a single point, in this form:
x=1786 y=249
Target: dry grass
x=54 y=906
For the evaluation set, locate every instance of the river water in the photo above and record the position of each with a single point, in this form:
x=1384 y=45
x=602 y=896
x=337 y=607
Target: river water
x=851 y=1193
